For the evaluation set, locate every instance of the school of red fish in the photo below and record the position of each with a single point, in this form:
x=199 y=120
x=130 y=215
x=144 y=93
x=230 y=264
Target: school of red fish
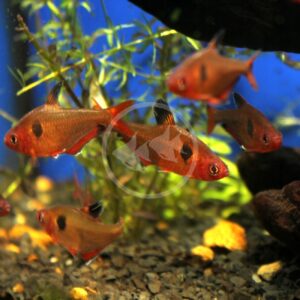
x=50 y=130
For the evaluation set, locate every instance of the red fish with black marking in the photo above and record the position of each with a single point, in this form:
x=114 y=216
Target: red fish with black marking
x=80 y=233
x=248 y=126
x=50 y=130
x=173 y=148
x=208 y=76
x=4 y=207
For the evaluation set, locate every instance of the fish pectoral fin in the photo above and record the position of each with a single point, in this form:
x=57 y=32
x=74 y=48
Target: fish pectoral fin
x=162 y=113
x=144 y=162
x=90 y=255
x=79 y=145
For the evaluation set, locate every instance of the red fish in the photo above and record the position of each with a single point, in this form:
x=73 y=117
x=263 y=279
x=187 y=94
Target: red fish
x=4 y=207
x=81 y=234
x=248 y=126
x=173 y=148
x=208 y=76
x=50 y=130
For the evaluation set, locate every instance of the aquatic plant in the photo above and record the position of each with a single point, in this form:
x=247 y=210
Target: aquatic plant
x=104 y=65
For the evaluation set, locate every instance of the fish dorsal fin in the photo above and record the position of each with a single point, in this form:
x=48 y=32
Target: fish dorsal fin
x=162 y=113
x=213 y=44
x=52 y=98
x=96 y=105
x=239 y=100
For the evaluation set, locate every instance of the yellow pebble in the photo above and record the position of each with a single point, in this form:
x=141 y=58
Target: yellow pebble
x=205 y=253
x=227 y=235
x=12 y=248
x=78 y=293
x=18 y=288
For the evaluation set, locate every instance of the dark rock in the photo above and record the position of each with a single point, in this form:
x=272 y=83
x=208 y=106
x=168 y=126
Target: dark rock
x=264 y=171
x=278 y=213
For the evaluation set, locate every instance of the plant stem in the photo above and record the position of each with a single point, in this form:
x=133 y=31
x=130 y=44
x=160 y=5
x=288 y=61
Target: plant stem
x=43 y=53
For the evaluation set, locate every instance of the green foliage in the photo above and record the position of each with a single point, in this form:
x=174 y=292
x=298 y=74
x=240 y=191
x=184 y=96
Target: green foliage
x=64 y=52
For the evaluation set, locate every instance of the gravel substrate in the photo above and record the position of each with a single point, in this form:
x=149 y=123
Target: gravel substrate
x=159 y=265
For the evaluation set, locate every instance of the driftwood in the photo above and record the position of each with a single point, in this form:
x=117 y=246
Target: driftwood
x=269 y=25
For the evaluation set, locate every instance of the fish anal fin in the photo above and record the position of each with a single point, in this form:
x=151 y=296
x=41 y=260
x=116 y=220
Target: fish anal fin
x=90 y=255
x=119 y=125
x=144 y=162
x=210 y=119
x=225 y=94
x=115 y=110
x=239 y=100
x=79 y=145
x=52 y=98
x=72 y=250
x=162 y=113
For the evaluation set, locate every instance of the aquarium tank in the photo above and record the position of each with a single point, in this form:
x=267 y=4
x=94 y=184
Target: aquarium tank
x=149 y=150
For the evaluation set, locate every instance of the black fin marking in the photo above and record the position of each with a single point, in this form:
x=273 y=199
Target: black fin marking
x=239 y=100
x=203 y=73
x=162 y=113
x=186 y=152
x=37 y=128
x=95 y=209
x=250 y=129
x=53 y=95
x=61 y=222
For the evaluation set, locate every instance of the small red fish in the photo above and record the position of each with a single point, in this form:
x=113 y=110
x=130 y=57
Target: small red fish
x=50 y=130
x=4 y=207
x=172 y=148
x=208 y=76
x=81 y=234
x=248 y=126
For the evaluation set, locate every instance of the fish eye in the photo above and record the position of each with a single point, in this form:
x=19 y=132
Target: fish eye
x=213 y=170
x=181 y=84
x=265 y=139
x=13 y=139
x=186 y=152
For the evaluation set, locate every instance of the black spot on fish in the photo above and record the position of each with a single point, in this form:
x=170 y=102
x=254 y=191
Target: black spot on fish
x=186 y=152
x=250 y=128
x=61 y=222
x=203 y=73
x=95 y=209
x=37 y=128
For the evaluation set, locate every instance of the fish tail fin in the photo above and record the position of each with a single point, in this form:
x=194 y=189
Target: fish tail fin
x=119 y=125
x=249 y=73
x=210 y=119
